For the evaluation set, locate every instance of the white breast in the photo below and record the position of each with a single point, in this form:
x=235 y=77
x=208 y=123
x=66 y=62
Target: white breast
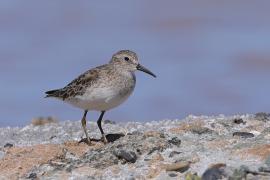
x=103 y=98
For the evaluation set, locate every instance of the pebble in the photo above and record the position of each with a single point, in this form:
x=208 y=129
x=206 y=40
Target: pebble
x=107 y=121
x=190 y=176
x=149 y=151
x=158 y=148
x=129 y=156
x=239 y=121
x=243 y=134
x=215 y=172
x=8 y=145
x=172 y=174
x=135 y=133
x=32 y=176
x=173 y=153
x=240 y=173
x=201 y=130
x=175 y=141
x=113 y=137
x=179 y=166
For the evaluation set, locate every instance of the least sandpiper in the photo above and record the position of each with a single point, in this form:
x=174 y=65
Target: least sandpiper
x=102 y=88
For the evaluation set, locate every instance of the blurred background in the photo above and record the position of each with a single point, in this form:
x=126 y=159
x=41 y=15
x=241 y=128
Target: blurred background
x=211 y=57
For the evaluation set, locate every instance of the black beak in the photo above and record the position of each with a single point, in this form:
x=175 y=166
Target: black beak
x=141 y=68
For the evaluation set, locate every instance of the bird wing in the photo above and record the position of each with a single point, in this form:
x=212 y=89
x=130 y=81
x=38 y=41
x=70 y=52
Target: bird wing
x=78 y=86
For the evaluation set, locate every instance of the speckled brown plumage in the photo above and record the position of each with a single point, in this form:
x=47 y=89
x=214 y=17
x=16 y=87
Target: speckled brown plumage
x=79 y=85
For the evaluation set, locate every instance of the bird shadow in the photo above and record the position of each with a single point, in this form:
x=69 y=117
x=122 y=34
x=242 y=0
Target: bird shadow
x=110 y=138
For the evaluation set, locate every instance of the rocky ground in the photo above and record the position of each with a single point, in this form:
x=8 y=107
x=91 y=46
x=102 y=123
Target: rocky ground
x=197 y=147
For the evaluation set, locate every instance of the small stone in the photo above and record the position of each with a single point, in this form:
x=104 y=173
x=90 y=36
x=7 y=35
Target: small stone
x=8 y=145
x=214 y=172
x=173 y=153
x=52 y=137
x=243 y=134
x=135 y=133
x=32 y=176
x=162 y=135
x=239 y=121
x=113 y=137
x=179 y=166
x=172 y=174
x=139 y=151
x=175 y=141
x=262 y=116
x=240 y=173
x=190 y=176
x=70 y=168
x=158 y=148
x=201 y=130
x=107 y=121
x=129 y=156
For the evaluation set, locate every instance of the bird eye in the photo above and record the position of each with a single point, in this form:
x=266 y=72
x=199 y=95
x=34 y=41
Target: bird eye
x=126 y=58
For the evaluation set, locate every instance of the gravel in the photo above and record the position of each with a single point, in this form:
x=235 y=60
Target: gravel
x=206 y=147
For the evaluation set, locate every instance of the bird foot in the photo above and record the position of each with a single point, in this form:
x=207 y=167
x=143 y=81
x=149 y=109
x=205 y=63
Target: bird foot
x=104 y=139
x=86 y=141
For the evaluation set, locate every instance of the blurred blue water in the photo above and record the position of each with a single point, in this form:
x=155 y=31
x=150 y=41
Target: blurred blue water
x=210 y=57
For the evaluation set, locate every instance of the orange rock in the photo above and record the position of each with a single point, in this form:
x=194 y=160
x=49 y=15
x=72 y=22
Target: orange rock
x=188 y=126
x=19 y=160
x=76 y=148
x=179 y=166
x=261 y=151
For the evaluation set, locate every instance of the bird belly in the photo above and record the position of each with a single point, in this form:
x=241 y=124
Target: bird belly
x=100 y=99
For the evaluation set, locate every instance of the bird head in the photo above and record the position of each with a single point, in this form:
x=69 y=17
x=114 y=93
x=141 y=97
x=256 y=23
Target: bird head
x=128 y=60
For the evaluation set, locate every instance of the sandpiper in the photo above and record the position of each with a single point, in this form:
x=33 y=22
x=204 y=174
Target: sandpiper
x=102 y=88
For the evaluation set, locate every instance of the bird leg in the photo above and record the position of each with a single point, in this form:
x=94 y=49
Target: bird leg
x=84 y=126
x=104 y=139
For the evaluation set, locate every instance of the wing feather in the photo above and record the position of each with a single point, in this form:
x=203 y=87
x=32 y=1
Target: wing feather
x=77 y=86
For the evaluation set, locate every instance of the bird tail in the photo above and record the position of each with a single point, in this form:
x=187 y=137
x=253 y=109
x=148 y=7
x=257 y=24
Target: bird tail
x=53 y=93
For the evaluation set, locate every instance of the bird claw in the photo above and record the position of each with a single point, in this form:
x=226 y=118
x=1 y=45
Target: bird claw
x=86 y=141
x=104 y=139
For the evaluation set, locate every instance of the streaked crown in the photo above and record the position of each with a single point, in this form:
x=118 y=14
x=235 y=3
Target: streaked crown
x=125 y=58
